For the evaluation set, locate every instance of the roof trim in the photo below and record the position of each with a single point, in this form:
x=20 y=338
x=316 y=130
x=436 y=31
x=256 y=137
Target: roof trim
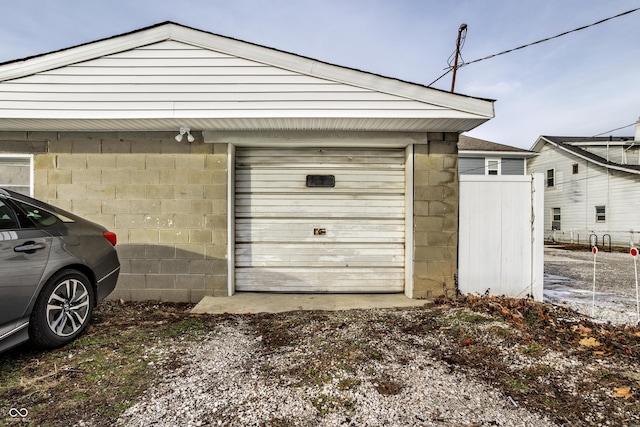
x=469 y=144
x=483 y=108
x=488 y=153
x=583 y=154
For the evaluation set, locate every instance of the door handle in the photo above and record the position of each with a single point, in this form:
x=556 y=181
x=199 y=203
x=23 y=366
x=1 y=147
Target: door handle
x=29 y=247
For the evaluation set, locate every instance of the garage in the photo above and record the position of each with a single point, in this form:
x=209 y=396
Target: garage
x=320 y=220
x=228 y=166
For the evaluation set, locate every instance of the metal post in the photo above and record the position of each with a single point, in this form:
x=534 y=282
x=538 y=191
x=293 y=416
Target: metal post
x=593 y=301
x=634 y=254
x=462 y=28
x=635 y=266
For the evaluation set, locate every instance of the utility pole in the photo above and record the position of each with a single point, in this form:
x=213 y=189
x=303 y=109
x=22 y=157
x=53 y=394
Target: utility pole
x=461 y=30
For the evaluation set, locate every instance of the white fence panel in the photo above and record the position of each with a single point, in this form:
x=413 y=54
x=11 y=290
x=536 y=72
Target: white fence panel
x=501 y=248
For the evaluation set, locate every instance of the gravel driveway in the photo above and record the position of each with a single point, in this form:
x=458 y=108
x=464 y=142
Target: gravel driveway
x=406 y=367
x=230 y=380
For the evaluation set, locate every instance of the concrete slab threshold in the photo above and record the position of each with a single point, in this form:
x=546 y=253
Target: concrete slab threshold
x=256 y=302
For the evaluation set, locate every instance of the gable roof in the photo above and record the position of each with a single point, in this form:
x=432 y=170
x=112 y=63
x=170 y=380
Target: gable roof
x=568 y=144
x=168 y=75
x=468 y=145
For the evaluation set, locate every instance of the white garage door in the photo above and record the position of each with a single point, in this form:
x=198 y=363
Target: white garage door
x=320 y=220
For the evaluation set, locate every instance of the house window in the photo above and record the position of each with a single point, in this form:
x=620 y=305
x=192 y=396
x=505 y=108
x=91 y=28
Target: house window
x=16 y=173
x=574 y=169
x=492 y=166
x=555 y=221
x=601 y=214
x=551 y=177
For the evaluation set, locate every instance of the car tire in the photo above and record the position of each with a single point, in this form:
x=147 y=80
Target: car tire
x=62 y=310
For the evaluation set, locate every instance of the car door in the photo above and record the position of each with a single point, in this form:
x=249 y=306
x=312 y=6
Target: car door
x=24 y=251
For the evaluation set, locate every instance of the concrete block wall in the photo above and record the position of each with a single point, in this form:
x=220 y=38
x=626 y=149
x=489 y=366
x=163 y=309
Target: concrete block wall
x=435 y=215
x=166 y=201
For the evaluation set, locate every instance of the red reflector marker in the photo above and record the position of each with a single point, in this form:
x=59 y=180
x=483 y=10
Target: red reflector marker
x=111 y=237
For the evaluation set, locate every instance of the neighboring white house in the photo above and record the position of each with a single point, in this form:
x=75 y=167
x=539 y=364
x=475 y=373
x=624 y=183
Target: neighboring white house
x=592 y=187
x=480 y=157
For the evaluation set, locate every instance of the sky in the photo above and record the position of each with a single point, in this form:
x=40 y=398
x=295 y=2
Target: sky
x=582 y=84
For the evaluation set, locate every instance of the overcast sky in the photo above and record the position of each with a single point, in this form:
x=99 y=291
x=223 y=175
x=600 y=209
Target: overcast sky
x=584 y=83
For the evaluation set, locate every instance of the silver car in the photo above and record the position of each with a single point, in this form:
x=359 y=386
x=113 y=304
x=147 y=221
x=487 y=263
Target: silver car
x=54 y=268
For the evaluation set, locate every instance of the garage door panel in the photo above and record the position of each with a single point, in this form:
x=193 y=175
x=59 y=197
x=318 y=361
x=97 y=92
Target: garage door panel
x=319 y=255
x=317 y=201
x=315 y=206
x=351 y=212
x=365 y=181
x=318 y=156
x=318 y=230
x=315 y=279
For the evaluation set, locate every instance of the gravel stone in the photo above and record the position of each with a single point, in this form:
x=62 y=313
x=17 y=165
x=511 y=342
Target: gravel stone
x=222 y=381
x=237 y=376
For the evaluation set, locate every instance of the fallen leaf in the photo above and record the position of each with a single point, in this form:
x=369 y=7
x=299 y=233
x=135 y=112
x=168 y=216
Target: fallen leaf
x=637 y=334
x=589 y=342
x=622 y=392
x=582 y=330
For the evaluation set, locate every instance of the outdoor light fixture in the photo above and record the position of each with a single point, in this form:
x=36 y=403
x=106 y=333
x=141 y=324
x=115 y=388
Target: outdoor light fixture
x=184 y=130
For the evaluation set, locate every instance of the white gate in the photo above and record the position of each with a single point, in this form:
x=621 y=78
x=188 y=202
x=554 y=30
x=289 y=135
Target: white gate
x=501 y=250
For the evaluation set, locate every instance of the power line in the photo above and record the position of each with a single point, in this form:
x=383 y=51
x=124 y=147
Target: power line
x=553 y=37
x=613 y=130
x=537 y=42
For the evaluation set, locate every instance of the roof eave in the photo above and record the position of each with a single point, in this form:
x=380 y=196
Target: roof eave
x=484 y=108
x=589 y=159
x=487 y=153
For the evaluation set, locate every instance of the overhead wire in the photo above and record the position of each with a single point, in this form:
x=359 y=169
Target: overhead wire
x=613 y=130
x=463 y=64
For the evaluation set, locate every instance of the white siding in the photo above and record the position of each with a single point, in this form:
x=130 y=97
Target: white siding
x=363 y=217
x=167 y=76
x=170 y=79
x=577 y=195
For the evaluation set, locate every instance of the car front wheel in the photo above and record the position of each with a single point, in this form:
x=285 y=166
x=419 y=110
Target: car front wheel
x=62 y=310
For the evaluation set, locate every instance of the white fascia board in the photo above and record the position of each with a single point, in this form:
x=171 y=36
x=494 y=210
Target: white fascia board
x=476 y=153
x=537 y=146
x=603 y=143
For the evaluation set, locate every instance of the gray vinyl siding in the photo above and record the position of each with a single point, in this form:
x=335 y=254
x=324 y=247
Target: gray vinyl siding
x=471 y=166
x=512 y=166
x=476 y=166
